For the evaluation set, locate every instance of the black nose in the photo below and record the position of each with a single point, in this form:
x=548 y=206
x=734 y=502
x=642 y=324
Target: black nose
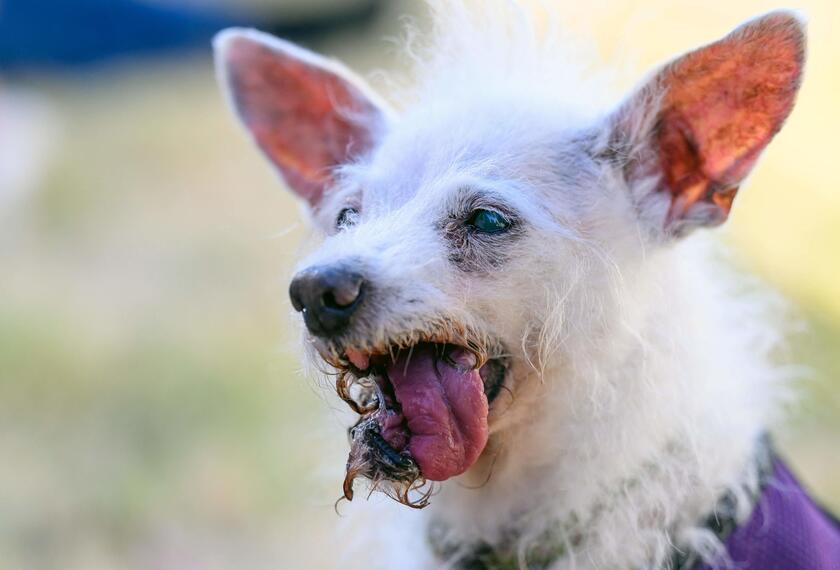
x=328 y=296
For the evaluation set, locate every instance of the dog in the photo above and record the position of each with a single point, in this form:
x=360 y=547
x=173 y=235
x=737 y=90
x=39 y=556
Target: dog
x=513 y=291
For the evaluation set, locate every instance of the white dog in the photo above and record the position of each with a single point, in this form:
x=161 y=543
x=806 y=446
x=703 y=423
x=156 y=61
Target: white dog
x=511 y=294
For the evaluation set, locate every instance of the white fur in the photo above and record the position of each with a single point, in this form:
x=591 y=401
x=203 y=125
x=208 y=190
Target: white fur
x=641 y=372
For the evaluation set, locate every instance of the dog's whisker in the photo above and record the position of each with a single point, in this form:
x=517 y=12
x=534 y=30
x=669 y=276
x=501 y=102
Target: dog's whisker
x=408 y=360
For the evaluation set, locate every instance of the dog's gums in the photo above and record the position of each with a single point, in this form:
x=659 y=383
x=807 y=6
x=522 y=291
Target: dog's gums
x=423 y=415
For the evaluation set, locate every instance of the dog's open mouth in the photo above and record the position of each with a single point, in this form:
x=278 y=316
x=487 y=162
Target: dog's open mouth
x=423 y=413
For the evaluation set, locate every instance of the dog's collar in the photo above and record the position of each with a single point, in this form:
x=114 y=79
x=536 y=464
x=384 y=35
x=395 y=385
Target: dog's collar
x=540 y=555
x=498 y=556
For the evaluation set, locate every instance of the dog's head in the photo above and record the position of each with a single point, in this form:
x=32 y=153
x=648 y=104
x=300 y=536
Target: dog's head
x=455 y=233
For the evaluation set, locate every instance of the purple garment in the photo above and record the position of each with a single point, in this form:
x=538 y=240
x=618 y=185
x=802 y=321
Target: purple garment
x=786 y=531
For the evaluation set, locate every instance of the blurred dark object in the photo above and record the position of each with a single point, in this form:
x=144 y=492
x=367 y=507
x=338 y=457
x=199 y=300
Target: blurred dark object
x=59 y=33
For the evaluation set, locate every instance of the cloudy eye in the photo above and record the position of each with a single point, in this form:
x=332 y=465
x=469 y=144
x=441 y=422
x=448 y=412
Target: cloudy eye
x=346 y=217
x=488 y=221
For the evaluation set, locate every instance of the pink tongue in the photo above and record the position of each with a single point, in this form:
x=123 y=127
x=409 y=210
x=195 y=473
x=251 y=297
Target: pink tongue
x=445 y=409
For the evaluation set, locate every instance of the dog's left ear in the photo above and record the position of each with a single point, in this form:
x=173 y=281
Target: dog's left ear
x=692 y=134
x=309 y=115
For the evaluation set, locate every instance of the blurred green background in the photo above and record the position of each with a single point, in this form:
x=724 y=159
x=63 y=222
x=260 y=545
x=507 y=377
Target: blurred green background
x=152 y=414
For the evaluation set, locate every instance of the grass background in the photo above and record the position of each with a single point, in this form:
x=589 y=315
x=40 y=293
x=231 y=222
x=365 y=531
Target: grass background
x=151 y=410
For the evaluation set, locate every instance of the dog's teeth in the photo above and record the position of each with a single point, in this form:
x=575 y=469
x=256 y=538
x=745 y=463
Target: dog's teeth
x=358 y=358
x=364 y=392
x=463 y=358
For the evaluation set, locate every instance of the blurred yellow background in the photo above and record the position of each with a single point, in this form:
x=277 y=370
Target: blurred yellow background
x=152 y=414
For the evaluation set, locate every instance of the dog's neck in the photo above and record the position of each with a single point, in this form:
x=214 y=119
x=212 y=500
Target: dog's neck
x=613 y=454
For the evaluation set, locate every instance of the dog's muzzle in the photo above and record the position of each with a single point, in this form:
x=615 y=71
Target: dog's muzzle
x=422 y=394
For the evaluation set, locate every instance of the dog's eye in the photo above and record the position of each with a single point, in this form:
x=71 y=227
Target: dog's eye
x=346 y=217
x=488 y=221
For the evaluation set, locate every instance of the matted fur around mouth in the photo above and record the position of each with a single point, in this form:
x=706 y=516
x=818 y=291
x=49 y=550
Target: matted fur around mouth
x=439 y=331
x=395 y=474
x=390 y=471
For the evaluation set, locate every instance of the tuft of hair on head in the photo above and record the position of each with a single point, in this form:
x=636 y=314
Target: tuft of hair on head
x=501 y=46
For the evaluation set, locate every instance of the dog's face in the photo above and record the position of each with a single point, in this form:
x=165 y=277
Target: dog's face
x=453 y=233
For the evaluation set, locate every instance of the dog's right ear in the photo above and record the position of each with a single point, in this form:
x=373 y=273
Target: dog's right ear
x=309 y=115
x=695 y=130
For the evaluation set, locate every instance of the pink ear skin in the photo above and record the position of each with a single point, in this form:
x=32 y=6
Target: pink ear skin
x=717 y=108
x=307 y=114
